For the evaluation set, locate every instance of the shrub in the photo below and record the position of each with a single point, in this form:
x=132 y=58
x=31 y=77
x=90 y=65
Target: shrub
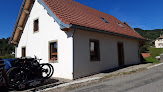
x=7 y=56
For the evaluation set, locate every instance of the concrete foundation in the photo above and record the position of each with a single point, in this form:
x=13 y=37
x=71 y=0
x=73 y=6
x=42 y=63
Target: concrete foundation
x=161 y=57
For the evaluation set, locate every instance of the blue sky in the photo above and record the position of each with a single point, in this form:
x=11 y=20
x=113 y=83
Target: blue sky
x=144 y=14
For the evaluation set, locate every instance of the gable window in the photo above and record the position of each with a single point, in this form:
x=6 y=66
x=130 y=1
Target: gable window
x=104 y=20
x=94 y=50
x=53 y=51
x=36 y=25
x=23 y=51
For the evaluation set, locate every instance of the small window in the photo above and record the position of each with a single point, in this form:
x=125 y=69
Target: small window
x=36 y=25
x=53 y=51
x=104 y=20
x=161 y=44
x=24 y=52
x=121 y=25
x=94 y=50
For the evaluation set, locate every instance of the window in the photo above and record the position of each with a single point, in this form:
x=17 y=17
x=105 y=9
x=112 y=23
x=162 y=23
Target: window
x=94 y=50
x=36 y=25
x=121 y=25
x=161 y=44
x=104 y=20
x=160 y=39
x=53 y=51
x=23 y=51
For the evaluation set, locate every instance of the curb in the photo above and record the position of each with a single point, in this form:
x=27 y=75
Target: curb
x=154 y=65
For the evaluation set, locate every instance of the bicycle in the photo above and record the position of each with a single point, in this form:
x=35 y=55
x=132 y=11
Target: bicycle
x=27 y=71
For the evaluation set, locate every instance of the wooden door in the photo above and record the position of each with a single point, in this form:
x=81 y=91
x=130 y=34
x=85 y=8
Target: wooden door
x=23 y=52
x=120 y=54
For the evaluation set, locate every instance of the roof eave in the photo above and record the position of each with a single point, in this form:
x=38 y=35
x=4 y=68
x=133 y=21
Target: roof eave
x=16 y=24
x=61 y=24
x=107 y=32
x=24 y=9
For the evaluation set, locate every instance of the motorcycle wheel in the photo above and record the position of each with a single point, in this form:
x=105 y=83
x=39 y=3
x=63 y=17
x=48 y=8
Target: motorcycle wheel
x=47 y=70
x=16 y=76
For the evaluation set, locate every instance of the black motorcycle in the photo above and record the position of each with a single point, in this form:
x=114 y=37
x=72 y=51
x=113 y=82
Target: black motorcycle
x=28 y=72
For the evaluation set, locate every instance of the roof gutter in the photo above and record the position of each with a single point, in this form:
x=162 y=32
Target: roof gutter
x=106 y=32
x=16 y=25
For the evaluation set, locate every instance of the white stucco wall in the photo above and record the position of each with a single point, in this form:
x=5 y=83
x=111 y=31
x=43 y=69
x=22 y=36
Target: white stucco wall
x=157 y=42
x=108 y=52
x=38 y=43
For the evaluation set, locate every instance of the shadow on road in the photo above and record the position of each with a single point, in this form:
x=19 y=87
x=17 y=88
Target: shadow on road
x=46 y=84
x=121 y=67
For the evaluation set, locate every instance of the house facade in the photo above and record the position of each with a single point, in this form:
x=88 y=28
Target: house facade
x=159 y=42
x=64 y=33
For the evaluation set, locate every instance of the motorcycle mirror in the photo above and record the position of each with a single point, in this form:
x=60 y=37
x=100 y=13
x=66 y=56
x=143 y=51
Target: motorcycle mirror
x=35 y=57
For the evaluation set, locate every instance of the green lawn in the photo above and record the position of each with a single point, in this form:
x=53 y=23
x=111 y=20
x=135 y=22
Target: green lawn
x=154 y=52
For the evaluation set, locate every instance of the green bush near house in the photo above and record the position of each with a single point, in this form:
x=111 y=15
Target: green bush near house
x=7 y=56
x=154 y=52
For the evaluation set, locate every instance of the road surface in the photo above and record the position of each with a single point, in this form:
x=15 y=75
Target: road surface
x=146 y=81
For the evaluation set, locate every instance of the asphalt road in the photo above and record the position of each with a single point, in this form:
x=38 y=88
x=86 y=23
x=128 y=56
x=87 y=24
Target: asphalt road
x=146 y=81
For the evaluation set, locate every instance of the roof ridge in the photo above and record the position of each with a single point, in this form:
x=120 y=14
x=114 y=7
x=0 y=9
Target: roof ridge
x=90 y=8
x=79 y=6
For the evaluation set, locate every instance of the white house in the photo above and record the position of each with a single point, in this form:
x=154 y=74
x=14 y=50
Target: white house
x=77 y=40
x=159 y=42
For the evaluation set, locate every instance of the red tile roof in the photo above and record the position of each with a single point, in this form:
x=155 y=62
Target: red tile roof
x=71 y=12
x=146 y=55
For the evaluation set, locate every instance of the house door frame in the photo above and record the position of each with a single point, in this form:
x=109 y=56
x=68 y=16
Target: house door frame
x=120 y=49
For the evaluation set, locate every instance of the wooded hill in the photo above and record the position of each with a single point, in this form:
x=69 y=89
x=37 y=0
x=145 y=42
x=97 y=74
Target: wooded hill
x=150 y=34
x=5 y=47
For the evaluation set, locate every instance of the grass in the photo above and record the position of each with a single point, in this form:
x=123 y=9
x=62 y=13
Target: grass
x=154 y=52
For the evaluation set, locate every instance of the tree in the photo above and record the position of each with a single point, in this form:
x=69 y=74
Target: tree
x=6 y=48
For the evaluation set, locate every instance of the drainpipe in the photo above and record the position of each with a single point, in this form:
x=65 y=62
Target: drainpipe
x=74 y=27
x=73 y=31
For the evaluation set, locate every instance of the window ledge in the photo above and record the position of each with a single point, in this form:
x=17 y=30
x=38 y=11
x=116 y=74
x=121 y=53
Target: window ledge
x=55 y=61
x=35 y=32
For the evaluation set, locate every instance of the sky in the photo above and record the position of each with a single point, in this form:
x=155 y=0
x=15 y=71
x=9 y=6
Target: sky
x=144 y=14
